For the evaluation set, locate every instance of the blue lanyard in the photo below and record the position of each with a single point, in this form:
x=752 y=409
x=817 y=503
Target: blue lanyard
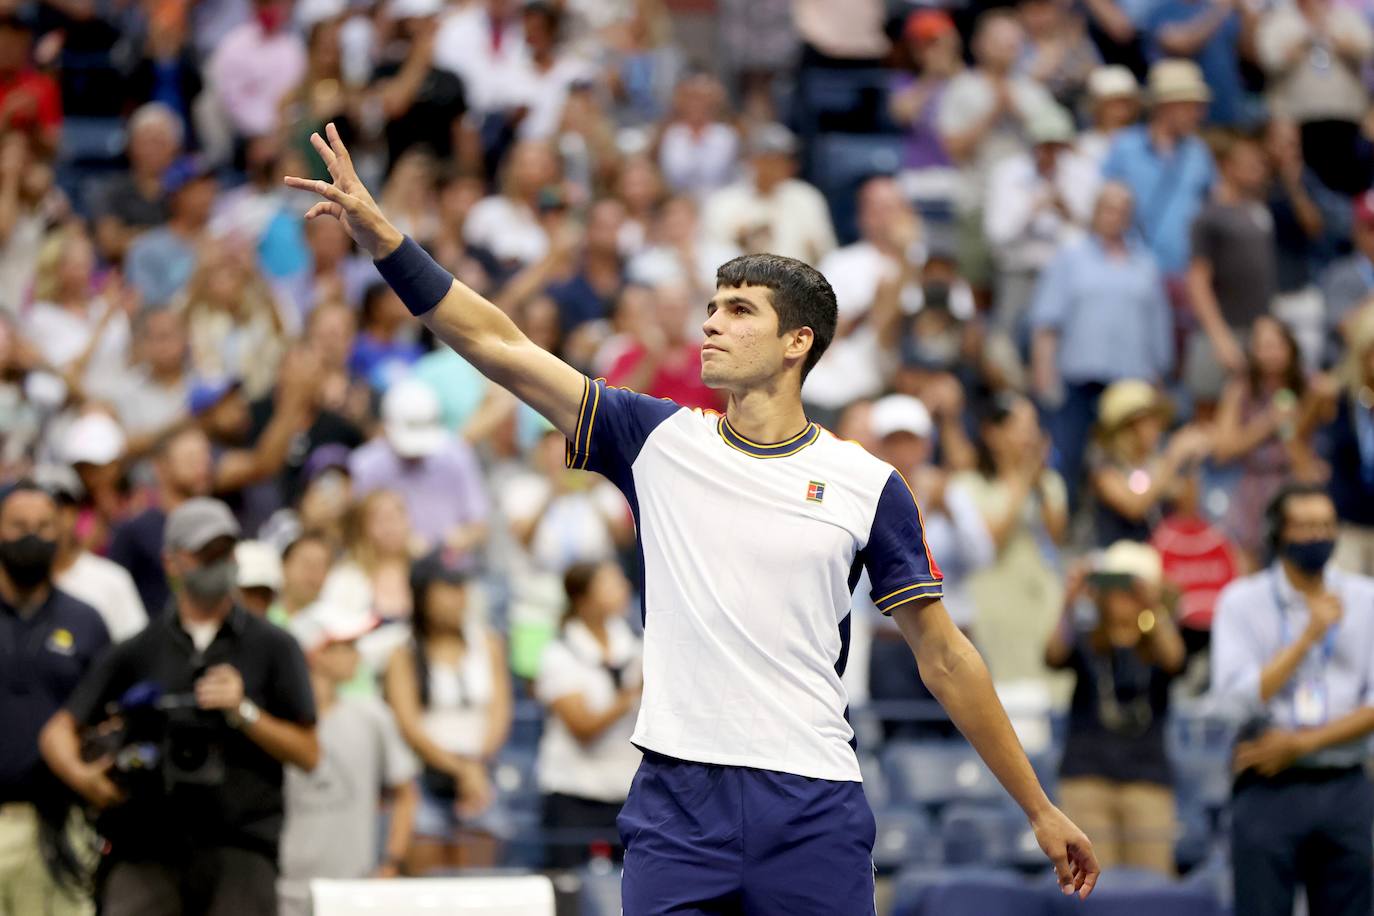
x=1328 y=644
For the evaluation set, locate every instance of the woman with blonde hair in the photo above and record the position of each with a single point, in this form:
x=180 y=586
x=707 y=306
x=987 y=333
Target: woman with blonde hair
x=374 y=576
x=233 y=321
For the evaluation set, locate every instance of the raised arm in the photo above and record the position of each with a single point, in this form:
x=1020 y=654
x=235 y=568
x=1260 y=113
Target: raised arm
x=476 y=329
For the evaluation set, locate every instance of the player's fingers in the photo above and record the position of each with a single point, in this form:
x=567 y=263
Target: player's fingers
x=325 y=152
x=326 y=190
x=1061 y=869
x=325 y=208
x=336 y=144
x=1088 y=870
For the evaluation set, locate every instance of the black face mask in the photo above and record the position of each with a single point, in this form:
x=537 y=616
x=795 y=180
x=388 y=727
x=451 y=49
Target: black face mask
x=27 y=560
x=1309 y=556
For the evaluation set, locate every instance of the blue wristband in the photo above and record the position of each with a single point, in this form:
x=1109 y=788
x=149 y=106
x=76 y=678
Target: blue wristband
x=415 y=276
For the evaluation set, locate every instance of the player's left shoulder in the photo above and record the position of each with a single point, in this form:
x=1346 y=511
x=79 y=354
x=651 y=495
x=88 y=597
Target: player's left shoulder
x=850 y=461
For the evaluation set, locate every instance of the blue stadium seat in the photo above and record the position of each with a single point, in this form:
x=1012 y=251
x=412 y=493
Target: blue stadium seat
x=1171 y=899
x=843 y=100
x=937 y=773
x=969 y=892
x=91 y=140
x=875 y=782
x=842 y=162
x=905 y=838
x=982 y=835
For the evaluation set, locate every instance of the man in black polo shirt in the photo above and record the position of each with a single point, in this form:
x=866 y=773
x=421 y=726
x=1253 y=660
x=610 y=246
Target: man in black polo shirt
x=202 y=841
x=48 y=640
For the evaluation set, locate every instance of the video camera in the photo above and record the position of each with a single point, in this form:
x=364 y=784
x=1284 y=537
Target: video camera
x=159 y=741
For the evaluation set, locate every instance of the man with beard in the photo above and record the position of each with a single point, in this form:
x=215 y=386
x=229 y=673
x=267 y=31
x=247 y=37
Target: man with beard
x=48 y=640
x=227 y=702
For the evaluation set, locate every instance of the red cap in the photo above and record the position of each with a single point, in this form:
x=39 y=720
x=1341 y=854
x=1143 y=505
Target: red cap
x=1363 y=210
x=925 y=25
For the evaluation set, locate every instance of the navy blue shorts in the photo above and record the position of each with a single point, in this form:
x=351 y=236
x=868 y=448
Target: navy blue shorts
x=707 y=839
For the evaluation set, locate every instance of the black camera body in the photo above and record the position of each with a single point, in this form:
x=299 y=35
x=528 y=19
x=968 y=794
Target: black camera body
x=160 y=743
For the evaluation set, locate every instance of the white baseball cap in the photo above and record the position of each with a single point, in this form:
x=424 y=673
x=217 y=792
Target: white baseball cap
x=1132 y=558
x=900 y=413
x=411 y=418
x=94 y=438
x=1112 y=82
x=259 y=565
x=414 y=9
x=323 y=623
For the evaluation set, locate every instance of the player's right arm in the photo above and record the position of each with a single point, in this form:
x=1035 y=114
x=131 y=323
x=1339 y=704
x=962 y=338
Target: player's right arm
x=476 y=329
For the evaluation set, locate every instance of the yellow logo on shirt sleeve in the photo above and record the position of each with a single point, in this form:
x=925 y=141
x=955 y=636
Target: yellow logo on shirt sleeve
x=61 y=641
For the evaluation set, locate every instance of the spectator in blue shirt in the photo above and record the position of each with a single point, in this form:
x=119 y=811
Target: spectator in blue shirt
x=1099 y=314
x=1210 y=32
x=160 y=262
x=1166 y=165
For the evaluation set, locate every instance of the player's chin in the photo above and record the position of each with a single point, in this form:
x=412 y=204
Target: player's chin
x=714 y=376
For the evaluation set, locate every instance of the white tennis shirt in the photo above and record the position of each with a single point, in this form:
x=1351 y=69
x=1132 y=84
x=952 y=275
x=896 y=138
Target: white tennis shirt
x=749 y=556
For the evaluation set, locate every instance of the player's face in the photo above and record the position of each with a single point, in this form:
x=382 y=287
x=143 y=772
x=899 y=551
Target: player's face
x=742 y=347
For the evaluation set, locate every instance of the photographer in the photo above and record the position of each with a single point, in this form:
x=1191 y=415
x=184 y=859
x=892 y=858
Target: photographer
x=1114 y=777
x=48 y=640
x=197 y=714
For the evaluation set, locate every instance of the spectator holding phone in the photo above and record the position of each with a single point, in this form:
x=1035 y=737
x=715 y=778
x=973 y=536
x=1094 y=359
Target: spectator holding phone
x=1114 y=775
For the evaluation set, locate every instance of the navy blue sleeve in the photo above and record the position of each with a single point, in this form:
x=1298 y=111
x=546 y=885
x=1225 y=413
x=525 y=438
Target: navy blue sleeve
x=900 y=565
x=612 y=427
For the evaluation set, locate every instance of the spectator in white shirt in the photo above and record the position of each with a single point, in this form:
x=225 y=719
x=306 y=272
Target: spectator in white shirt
x=590 y=679
x=101 y=583
x=541 y=83
x=482 y=43
x=1044 y=197
x=507 y=225
x=867 y=277
x=772 y=211
x=698 y=150
x=679 y=253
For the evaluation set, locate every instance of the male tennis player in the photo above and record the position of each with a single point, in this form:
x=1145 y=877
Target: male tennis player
x=752 y=527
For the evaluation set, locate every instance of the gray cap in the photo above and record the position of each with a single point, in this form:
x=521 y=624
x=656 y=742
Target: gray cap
x=197 y=522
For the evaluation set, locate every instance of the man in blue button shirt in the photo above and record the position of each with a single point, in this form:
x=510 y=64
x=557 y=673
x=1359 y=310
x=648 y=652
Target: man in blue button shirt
x=48 y=640
x=1293 y=654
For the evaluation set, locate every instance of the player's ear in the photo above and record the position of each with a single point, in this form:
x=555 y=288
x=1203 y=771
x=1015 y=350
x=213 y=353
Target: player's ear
x=799 y=341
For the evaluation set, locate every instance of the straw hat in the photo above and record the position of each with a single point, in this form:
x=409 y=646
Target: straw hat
x=1177 y=81
x=1131 y=558
x=1125 y=401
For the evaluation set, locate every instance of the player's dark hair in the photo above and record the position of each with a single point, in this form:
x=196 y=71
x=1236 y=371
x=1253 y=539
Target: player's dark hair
x=802 y=297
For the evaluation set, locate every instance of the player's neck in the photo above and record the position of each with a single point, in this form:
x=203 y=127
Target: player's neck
x=766 y=416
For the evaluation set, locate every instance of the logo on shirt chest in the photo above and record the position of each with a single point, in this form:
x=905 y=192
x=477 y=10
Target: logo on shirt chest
x=815 y=491
x=61 y=641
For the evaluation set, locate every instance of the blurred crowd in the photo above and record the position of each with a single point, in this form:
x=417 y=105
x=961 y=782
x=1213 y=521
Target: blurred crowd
x=1105 y=273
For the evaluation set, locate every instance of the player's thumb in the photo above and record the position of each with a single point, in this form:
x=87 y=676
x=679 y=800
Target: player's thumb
x=1060 y=857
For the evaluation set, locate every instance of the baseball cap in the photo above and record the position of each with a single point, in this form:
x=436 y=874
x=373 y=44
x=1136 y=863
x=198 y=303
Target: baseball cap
x=323 y=623
x=411 y=419
x=414 y=9
x=1131 y=558
x=772 y=139
x=94 y=438
x=1363 y=209
x=197 y=522
x=442 y=565
x=206 y=394
x=332 y=456
x=184 y=171
x=927 y=25
x=900 y=413
x=310 y=13
x=259 y=565
x=1050 y=124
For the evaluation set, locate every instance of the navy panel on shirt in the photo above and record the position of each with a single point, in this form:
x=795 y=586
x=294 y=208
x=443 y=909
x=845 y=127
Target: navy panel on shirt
x=612 y=427
x=900 y=565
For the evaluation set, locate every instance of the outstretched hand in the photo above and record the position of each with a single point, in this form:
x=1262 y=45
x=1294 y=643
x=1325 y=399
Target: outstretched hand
x=346 y=199
x=1068 y=848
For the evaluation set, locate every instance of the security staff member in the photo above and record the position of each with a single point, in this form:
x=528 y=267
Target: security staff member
x=1293 y=649
x=48 y=640
x=196 y=843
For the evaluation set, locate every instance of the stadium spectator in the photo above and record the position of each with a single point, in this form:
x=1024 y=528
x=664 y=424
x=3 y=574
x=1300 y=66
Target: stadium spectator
x=1135 y=467
x=1214 y=34
x=160 y=261
x=1232 y=278
x=151 y=397
x=664 y=360
x=1166 y=165
x=1257 y=426
x=510 y=225
x=136 y=200
x=677 y=251
x=1057 y=52
x=254 y=68
x=50 y=640
x=1290 y=655
x=590 y=679
x=1045 y=199
x=384 y=348
x=259 y=576
x=305 y=565
x=698 y=150
x=871 y=278
x=435 y=473
x=539 y=87
x=1346 y=407
x=29 y=202
x=1115 y=775
x=86 y=576
x=1099 y=314
x=195 y=834
x=1349 y=282
x=232 y=320
x=1113 y=103
x=450 y=689
x=904 y=435
x=772 y=210
x=1025 y=508
x=480 y=43
x=93 y=444
x=914 y=102
x=331 y=813
x=373 y=575
x=30 y=101
x=1313 y=53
